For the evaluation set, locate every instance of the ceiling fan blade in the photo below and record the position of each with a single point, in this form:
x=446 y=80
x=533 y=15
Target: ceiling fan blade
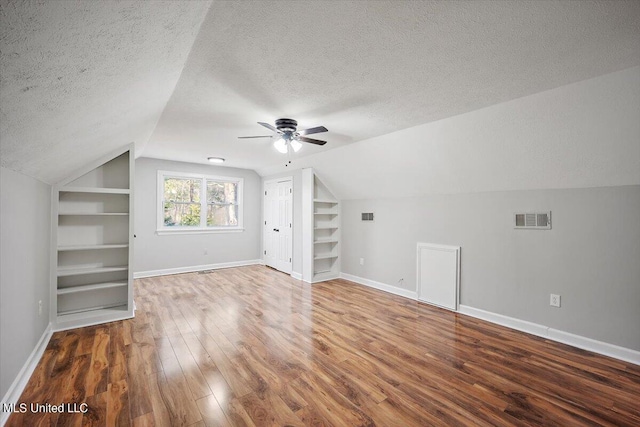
x=312 y=141
x=268 y=126
x=310 y=131
x=249 y=137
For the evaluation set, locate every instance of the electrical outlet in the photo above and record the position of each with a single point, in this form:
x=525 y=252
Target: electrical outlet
x=555 y=300
x=361 y=261
x=40 y=308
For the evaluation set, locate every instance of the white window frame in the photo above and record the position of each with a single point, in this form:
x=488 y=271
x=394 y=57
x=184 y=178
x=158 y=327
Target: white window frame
x=162 y=229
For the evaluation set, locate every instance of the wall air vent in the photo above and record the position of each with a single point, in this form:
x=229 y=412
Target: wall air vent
x=533 y=221
x=367 y=216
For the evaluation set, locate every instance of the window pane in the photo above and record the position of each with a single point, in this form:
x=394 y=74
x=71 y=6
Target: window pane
x=181 y=214
x=220 y=216
x=186 y=190
x=222 y=192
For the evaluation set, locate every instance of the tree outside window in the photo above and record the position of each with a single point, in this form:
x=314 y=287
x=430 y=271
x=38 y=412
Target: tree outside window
x=199 y=202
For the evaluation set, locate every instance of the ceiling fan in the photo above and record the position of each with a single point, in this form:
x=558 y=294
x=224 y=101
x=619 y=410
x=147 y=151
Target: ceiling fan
x=288 y=136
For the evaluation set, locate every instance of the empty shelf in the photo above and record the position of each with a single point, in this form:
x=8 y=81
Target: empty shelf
x=91 y=270
x=331 y=227
x=325 y=213
x=95 y=190
x=95 y=311
x=92 y=287
x=91 y=247
x=325 y=256
x=325 y=241
x=93 y=214
x=333 y=202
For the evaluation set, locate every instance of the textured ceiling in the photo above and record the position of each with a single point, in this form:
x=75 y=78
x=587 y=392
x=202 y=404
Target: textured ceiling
x=79 y=78
x=364 y=69
x=581 y=135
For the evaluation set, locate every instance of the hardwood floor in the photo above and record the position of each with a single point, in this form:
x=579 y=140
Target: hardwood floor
x=251 y=346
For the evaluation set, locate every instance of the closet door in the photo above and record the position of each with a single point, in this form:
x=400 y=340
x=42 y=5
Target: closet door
x=278 y=224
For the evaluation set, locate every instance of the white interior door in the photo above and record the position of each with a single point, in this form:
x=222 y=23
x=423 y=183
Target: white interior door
x=278 y=224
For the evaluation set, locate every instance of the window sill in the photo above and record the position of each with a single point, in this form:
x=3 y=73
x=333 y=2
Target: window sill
x=165 y=232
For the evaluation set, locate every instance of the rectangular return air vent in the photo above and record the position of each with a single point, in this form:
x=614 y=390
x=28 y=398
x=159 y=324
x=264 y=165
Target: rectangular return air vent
x=367 y=216
x=533 y=221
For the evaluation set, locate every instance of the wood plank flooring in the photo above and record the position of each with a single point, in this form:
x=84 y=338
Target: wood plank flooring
x=250 y=346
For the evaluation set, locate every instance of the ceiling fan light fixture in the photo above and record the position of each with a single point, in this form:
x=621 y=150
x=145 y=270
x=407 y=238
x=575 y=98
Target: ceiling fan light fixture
x=215 y=159
x=281 y=145
x=288 y=136
x=296 y=145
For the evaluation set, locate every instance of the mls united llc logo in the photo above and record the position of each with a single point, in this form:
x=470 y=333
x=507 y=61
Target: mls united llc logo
x=71 y=408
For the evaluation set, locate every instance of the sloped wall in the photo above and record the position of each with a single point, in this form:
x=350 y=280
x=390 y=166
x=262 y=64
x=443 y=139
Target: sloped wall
x=582 y=135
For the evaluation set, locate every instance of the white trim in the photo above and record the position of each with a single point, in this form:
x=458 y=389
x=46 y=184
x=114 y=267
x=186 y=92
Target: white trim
x=296 y=275
x=381 y=286
x=595 y=346
x=162 y=230
x=195 y=268
x=183 y=230
x=21 y=380
x=611 y=350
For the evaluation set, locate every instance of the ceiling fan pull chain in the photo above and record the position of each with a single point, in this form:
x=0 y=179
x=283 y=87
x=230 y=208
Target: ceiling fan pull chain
x=289 y=150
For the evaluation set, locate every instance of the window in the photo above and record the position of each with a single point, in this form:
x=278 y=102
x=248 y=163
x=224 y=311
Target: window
x=198 y=203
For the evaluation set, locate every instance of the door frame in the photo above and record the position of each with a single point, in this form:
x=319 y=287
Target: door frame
x=264 y=216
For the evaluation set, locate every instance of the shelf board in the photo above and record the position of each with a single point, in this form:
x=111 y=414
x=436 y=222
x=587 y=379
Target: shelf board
x=95 y=190
x=333 y=202
x=81 y=313
x=315 y=273
x=325 y=241
x=325 y=228
x=92 y=287
x=91 y=247
x=325 y=256
x=62 y=272
x=325 y=213
x=93 y=214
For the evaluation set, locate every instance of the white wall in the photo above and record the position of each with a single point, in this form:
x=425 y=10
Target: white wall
x=153 y=252
x=25 y=224
x=590 y=256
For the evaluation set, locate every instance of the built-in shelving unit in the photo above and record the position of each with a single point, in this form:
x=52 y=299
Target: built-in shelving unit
x=321 y=236
x=92 y=237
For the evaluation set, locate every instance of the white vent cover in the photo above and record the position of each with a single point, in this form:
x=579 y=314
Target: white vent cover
x=532 y=220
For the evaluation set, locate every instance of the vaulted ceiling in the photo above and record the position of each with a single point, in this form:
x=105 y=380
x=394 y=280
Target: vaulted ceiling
x=184 y=79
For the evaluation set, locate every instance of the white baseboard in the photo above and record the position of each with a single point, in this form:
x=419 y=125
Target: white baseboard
x=606 y=349
x=21 y=380
x=611 y=350
x=195 y=268
x=296 y=275
x=380 y=286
